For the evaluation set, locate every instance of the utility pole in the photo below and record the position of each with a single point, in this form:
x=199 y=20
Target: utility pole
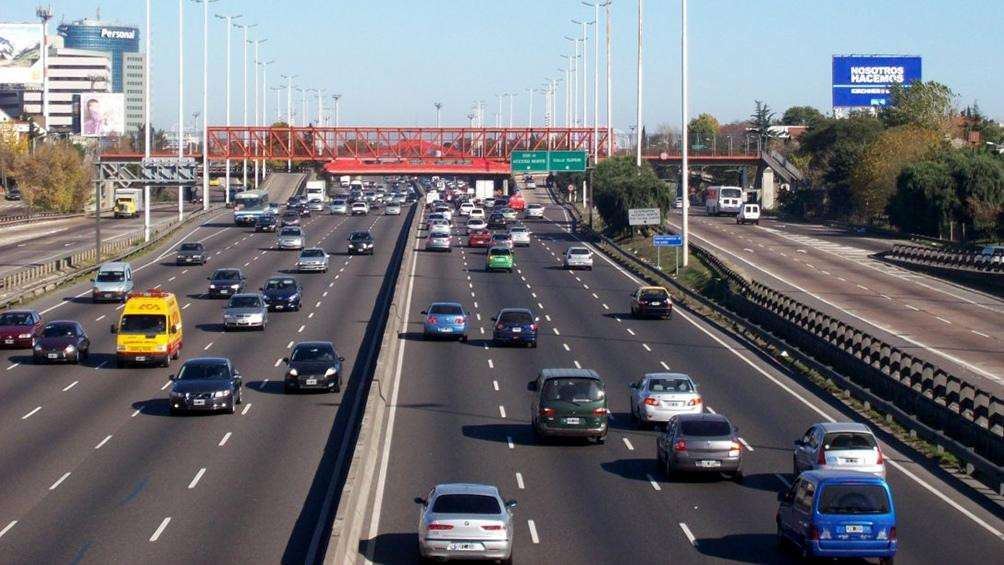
x=244 y=179
x=205 y=102
x=439 y=108
x=610 y=93
x=44 y=13
x=685 y=181
x=229 y=19
x=264 y=105
x=641 y=11
x=596 y=74
x=181 y=104
x=257 y=123
x=146 y=124
x=575 y=78
x=585 y=70
x=289 y=117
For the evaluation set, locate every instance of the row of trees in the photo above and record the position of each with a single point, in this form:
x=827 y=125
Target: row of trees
x=52 y=177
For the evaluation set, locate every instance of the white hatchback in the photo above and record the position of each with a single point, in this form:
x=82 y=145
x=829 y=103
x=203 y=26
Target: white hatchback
x=520 y=236
x=534 y=210
x=477 y=213
x=578 y=258
x=465 y=208
x=476 y=224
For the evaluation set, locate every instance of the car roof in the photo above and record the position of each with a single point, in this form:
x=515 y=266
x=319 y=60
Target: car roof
x=644 y=288
x=522 y=310
x=702 y=417
x=310 y=249
x=569 y=372
x=113 y=266
x=50 y=322
x=828 y=427
x=466 y=488
x=207 y=361
x=246 y=295
x=317 y=343
x=20 y=311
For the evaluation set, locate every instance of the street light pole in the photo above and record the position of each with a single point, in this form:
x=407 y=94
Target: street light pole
x=568 y=86
x=610 y=90
x=530 y=118
x=439 y=108
x=244 y=179
x=146 y=126
x=229 y=19
x=683 y=118
x=585 y=70
x=289 y=118
x=257 y=123
x=44 y=13
x=641 y=11
x=264 y=104
x=596 y=75
x=498 y=116
x=575 y=78
x=511 y=95
x=205 y=102
x=181 y=104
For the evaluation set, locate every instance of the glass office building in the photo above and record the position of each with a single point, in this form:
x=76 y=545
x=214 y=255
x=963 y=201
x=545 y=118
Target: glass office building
x=98 y=35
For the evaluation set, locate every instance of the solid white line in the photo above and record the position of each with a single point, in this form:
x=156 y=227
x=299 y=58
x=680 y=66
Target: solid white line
x=627 y=442
x=198 y=476
x=519 y=481
x=245 y=410
x=495 y=384
x=651 y=481
x=746 y=445
x=943 y=320
x=208 y=345
x=690 y=536
x=71 y=385
x=29 y=414
x=502 y=410
x=102 y=442
x=8 y=527
x=61 y=479
x=647 y=348
x=664 y=365
x=979 y=333
x=223 y=441
x=533 y=531
x=783 y=480
x=160 y=529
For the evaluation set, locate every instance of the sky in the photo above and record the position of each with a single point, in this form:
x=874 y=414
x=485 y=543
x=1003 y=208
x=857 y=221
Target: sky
x=391 y=60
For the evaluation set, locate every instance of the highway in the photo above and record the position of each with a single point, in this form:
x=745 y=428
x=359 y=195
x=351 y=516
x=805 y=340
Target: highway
x=829 y=268
x=460 y=412
x=95 y=471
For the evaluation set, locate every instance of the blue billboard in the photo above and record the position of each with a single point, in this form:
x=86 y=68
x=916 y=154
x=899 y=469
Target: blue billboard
x=864 y=80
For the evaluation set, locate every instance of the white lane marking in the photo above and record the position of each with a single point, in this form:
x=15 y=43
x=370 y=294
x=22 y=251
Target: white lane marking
x=331 y=284
x=99 y=318
x=263 y=384
x=167 y=384
x=311 y=315
x=502 y=410
x=482 y=331
x=630 y=331
x=841 y=279
x=171 y=279
x=102 y=442
x=60 y=481
x=478 y=314
x=184 y=271
x=185 y=307
x=30 y=414
x=519 y=481
x=709 y=409
x=585 y=286
x=979 y=333
x=862 y=287
x=911 y=307
x=647 y=348
x=547 y=317
x=605 y=307
x=539 y=305
x=686 y=532
x=651 y=481
x=8 y=527
x=943 y=320
x=594 y=296
x=783 y=480
x=491 y=365
x=577 y=365
x=198 y=476
x=318 y=305
x=533 y=532
x=800 y=250
x=208 y=345
x=289 y=345
x=886 y=296
x=508 y=440
x=101 y=364
x=160 y=529
x=301 y=329
x=277 y=362
x=226 y=437
x=245 y=410
x=555 y=330
x=475 y=304
x=618 y=319
x=495 y=385
x=71 y=385
x=627 y=443
x=565 y=345
x=746 y=445
x=323 y=294
x=136 y=413
x=12 y=366
x=664 y=365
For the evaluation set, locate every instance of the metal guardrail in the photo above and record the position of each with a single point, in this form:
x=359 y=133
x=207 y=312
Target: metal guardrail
x=13 y=220
x=947 y=258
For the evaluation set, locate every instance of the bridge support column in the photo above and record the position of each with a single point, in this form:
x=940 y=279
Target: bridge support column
x=768 y=189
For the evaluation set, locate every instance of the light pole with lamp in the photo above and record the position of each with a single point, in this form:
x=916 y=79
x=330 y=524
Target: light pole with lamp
x=575 y=78
x=610 y=89
x=264 y=105
x=244 y=176
x=181 y=104
x=637 y=159
x=257 y=162
x=289 y=117
x=205 y=101
x=439 y=108
x=585 y=70
x=44 y=13
x=684 y=169
x=568 y=89
x=596 y=73
x=229 y=19
x=146 y=126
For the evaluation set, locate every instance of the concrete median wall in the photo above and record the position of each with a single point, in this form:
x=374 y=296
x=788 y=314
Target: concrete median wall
x=968 y=268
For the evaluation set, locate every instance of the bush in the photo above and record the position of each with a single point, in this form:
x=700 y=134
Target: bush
x=55 y=178
x=619 y=185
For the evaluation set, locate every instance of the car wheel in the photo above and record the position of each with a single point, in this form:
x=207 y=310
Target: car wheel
x=338 y=384
x=805 y=553
x=463 y=338
x=240 y=395
x=778 y=535
x=233 y=406
x=885 y=561
x=737 y=477
x=668 y=469
x=167 y=361
x=508 y=560
x=795 y=472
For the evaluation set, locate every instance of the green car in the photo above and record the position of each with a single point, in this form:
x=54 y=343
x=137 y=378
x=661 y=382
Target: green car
x=569 y=403
x=499 y=259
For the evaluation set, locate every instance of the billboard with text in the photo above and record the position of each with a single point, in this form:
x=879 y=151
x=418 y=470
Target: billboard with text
x=102 y=114
x=864 y=80
x=20 y=53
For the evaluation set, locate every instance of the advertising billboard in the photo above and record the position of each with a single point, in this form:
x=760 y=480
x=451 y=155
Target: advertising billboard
x=20 y=53
x=864 y=80
x=102 y=114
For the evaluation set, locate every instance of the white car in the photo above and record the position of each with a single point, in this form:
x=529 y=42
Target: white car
x=476 y=213
x=530 y=184
x=657 y=397
x=359 y=208
x=433 y=217
x=749 y=214
x=466 y=521
x=445 y=211
x=476 y=224
x=393 y=209
x=520 y=236
x=578 y=258
x=339 y=206
x=465 y=208
x=439 y=227
x=534 y=210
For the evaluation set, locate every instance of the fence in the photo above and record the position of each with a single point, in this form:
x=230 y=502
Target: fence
x=32 y=218
x=947 y=258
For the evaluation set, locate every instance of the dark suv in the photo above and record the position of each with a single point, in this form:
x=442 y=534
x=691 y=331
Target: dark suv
x=569 y=403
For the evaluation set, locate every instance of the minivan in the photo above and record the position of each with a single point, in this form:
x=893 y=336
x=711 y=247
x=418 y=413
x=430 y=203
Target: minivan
x=749 y=214
x=838 y=514
x=112 y=282
x=569 y=403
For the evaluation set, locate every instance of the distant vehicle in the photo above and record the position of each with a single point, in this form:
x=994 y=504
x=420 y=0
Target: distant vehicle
x=723 y=200
x=445 y=319
x=750 y=214
x=360 y=208
x=312 y=259
x=474 y=224
x=706 y=443
x=439 y=242
x=515 y=326
x=290 y=237
x=530 y=184
x=508 y=213
x=315 y=191
x=61 y=340
x=479 y=238
x=125 y=207
x=290 y=217
x=465 y=521
x=314 y=365
x=112 y=282
x=569 y=403
x=516 y=201
x=266 y=223
x=191 y=252
x=226 y=282
x=577 y=257
x=206 y=384
x=344 y=180
x=501 y=239
x=651 y=301
x=247 y=310
x=534 y=210
x=392 y=209
x=439 y=227
x=678 y=202
x=465 y=208
x=476 y=213
x=657 y=397
x=13 y=194
x=845 y=446
x=497 y=222
x=339 y=206
x=282 y=293
x=361 y=242
x=248 y=205
x=18 y=328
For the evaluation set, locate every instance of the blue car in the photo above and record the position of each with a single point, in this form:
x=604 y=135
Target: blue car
x=445 y=319
x=839 y=514
x=516 y=326
x=282 y=294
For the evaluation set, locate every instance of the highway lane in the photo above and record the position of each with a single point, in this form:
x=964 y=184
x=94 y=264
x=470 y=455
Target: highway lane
x=462 y=415
x=257 y=494
x=953 y=327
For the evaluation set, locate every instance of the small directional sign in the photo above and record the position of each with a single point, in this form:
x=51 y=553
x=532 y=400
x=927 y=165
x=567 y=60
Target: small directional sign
x=667 y=240
x=529 y=161
x=570 y=161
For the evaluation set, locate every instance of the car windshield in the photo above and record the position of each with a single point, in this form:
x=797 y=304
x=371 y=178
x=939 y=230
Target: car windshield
x=502 y=236
x=515 y=318
x=191 y=246
x=279 y=284
x=59 y=330
x=143 y=324
x=110 y=276
x=849 y=441
x=313 y=353
x=290 y=232
x=853 y=499
x=653 y=294
x=705 y=428
x=517 y=230
x=291 y=214
x=16 y=319
x=244 y=302
x=360 y=236
x=312 y=253
x=573 y=390
x=466 y=504
x=203 y=371
x=731 y=193
x=501 y=252
x=447 y=309
x=578 y=251
x=670 y=385
x=226 y=276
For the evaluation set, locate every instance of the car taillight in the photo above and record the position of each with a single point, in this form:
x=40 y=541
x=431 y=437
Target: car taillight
x=814 y=534
x=892 y=533
x=547 y=412
x=600 y=412
x=431 y=320
x=437 y=526
x=494 y=528
x=822 y=457
x=652 y=401
x=735 y=446
x=458 y=320
x=643 y=302
x=499 y=327
x=680 y=445
x=533 y=327
x=881 y=458
x=694 y=401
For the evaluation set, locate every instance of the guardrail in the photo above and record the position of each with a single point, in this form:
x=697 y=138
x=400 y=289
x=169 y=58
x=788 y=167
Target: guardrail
x=932 y=403
x=947 y=258
x=40 y=217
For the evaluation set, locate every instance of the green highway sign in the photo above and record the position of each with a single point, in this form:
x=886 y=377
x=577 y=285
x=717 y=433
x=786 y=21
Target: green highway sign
x=529 y=161
x=574 y=161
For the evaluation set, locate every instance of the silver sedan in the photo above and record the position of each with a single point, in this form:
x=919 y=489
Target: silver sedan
x=312 y=259
x=246 y=310
x=657 y=397
x=290 y=237
x=465 y=521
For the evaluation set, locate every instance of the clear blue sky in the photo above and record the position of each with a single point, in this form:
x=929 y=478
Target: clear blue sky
x=391 y=59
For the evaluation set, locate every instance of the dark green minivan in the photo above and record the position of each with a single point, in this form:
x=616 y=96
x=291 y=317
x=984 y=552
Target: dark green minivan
x=569 y=403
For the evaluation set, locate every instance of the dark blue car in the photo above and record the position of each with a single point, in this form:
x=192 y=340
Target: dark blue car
x=282 y=293
x=515 y=326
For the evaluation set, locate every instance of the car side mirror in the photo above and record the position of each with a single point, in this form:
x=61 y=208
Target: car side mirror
x=420 y=500
x=424 y=312
x=633 y=385
x=798 y=443
x=531 y=386
x=340 y=358
x=113 y=329
x=495 y=318
x=510 y=504
x=285 y=360
x=172 y=377
x=784 y=496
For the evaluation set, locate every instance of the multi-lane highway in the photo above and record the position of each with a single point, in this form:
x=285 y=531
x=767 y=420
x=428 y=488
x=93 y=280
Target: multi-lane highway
x=830 y=269
x=461 y=412
x=96 y=471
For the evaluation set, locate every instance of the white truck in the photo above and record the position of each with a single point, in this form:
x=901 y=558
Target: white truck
x=315 y=190
x=484 y=189
x=344 y=180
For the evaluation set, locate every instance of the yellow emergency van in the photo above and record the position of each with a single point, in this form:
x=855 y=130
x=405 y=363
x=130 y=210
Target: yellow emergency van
x=149 y=330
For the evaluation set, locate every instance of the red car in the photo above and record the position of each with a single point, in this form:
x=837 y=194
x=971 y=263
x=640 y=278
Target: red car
x=18 y=328
x=516 y=201
x=479 y=238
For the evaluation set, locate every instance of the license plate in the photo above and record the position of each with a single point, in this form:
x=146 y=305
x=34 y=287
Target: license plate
x=311 y=382
x=199 y=402
x=53 y=355
x=673 y=404
x=8 y=341
x=850 y=461
x=465 y=547
x=854 y=529
x=517 y=330
x=107 y=295
x=574 y=421
x=224 y=291
x=189 y=259
x=141 y=358
x=657 y=304
x=446 y=330
x=709 y=463
x=278 y=306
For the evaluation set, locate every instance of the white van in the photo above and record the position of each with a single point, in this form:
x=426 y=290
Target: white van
x=112 y=282
x=749 y=214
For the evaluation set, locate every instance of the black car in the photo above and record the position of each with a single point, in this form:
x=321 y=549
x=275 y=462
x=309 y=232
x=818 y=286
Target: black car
x=314 y=365
x=303 y=210
x=360 y=242
x=226 y=282
x=206 y=384
x=282 y=293
x=265 y=223
x=61 y=340
x=291 y=217
x=191 y=253
x=497 y=221
x=13 y=194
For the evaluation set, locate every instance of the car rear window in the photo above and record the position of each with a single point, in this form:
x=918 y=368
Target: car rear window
x=578 y=251
x=501 y=236
x=290 y=231
x=670 y=385
x=466 y=504
x=312 y=253
x=360 y=236
x=516 y=318
x=653 y=295
x=853 y=499
x=16 y=319
x=244 y=302
x=573 y=390
x=448 y=309
x=501 y=251
x=849 y=441
x=203 y=371
x=226 y=275
x=280 y=283
x=191 y=246
x=706 y=428
x=59 y=330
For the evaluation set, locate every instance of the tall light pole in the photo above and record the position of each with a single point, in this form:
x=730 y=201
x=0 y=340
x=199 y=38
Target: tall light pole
x=257 y=123
x=585 y=70
x=511 y=95
x=337 y=97
x=181 y=104
x=439 y=110
x=278 y=103
x=44 y=13
x=205 y=102
x=146 y=126
x=596 y=74
x=575 y=77
x=264 y=104
x=229 y=19
x=684 y=183
x=641 y=12
x=303 y=106
x=244 y=179
x=610 y=90
x=498 y=116
x=568 y=90
x=289 y=117
x=529 y=122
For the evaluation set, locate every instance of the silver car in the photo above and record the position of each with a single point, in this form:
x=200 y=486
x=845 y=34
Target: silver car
x=465 y=521
x=439 y=242
x=657 y=397
x=534 y=210
x=312 y=259
x=439 y=227
x=842 y=446
x=578 y=258
x=247 y=310
x=359 y=207
x=290 y=237
x=476 y=224
x=700 y=443
x=339 y=206
x=315 y=205
x=392 y=209
x=520 y=236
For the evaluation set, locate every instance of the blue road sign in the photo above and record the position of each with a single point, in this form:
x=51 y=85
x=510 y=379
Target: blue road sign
x=667 y=240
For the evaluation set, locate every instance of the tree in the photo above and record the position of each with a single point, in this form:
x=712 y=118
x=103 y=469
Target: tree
x=873 y=179
x=925 y=198
x=54 y=178
x=619 y=185
x=802 y=116
x=928 y=105
x=137 y=139
x=760 y=122
x=703 y=129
